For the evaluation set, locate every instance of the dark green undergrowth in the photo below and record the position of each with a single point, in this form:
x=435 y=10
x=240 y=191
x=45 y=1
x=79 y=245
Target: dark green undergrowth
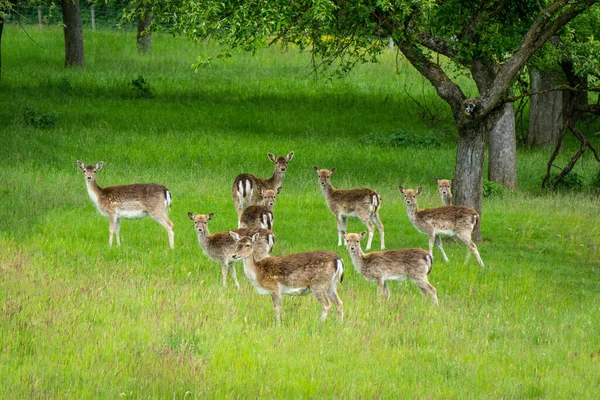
x=80 y=319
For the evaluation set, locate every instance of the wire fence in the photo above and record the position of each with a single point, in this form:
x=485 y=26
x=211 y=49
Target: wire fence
x=92 y=16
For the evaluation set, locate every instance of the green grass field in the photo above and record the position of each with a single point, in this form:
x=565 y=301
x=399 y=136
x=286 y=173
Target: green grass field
x=80 y=319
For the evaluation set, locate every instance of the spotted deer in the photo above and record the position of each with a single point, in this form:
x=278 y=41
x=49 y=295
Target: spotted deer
x=129 y=202
x=295 y=274
x=445 y=189
x=456 y=221
x=391 y=265
x=362 y=203
x=247 y=189
x=260 y=215
x=221 y=246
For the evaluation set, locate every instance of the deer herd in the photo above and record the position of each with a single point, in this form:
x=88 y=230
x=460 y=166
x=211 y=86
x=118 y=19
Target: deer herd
x=317 y=272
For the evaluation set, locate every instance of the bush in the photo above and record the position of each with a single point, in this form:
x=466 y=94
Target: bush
x=596 y=181
x=39 y=120
x=571 y=181
x=141 y=88
x=491 y=189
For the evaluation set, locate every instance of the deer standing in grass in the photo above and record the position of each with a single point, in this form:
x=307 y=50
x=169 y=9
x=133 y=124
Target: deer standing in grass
x=295 y=274
x=362 y=203
x=445 y=189
x=221 y=246
x=128 y=201
x=247 y=189
x=456 y=221
x=260 y=215
x=391 y=265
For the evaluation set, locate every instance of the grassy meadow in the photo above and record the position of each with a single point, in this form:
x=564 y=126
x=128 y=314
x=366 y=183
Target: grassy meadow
x=80 y=319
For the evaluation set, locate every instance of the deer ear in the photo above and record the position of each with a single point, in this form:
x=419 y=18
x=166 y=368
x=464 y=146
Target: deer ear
x=234 y=235
x=316 y=169
x=191 y=216
x=290 y=156
x=99 y=165
x=401 y=189
x=210 y=216
x=343 y=234
x=271 y=240
x=450 y=180
x=271 y=157
x=419 y=190
x=255 y=237
x=362 y=235
x=437 y=181
x=80 y=165
x=279 y=190
x=332 y=171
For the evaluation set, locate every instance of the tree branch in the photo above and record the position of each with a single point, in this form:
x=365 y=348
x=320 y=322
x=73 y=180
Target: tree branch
x=540 y=31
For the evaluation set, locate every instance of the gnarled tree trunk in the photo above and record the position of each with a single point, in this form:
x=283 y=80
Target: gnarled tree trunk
x=73 y=31
x=502 y=164
x=468 y=176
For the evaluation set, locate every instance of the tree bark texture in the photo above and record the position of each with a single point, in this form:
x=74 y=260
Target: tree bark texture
x=144 y=39
x=73 y=31
x=468 y=176
x=502 y=163
x=545 y=110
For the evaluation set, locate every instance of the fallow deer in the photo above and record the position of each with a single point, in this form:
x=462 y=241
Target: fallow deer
x=221 y=246
x=128 y=201
x=445 y=189
x=247 y=189
x=391 y=265
x=260 y=215
x=362 y=203
x=295 y=274
x=456 y=221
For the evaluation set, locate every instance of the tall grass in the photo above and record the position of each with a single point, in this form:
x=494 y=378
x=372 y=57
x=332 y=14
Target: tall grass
x=80 y=319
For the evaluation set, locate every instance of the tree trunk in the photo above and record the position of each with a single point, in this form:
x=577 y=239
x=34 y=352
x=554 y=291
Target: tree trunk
x=93 y=16
x=73 y=33
x=144 y=38
x=468 y=176
x=502 y=164
x=545 y=110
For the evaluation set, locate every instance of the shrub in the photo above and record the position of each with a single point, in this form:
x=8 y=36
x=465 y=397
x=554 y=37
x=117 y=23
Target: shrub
x=39 y=120
x=571 y=181
x=596 y=181
x=141 y=88
x=491 y=189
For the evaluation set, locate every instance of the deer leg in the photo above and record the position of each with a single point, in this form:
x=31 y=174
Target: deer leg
x=342 y=222
x=324 y=300
x=224 y=273
x=338 y=303
x=112 y=221
x=380 y=286
x=168 y=225
x=471 y=247
x=386 y=290
x=427 y=288
x=233 y=274
x=438 y=242
x=277 y=306
x=371 y=229
x=117 y=230
x=377 y=221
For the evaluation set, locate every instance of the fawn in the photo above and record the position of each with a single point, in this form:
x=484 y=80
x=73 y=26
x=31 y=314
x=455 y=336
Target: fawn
x=391 y=265
x=260 y=215
x=456 y=221
x=295 y=274
x=360 y=203
x=221 y=246
x=445 y=188
x=247 y=189
x=128 y=201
